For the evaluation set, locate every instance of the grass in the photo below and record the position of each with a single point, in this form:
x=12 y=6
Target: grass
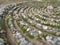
x=54 y=26
x=24 y=18
x=40 y=18
x=24 y=29
x=11 y=17
x=2 y=36
x=2 y=23
x=44 y=36
x=30 y=36
x=39 y=38
x=30 y=17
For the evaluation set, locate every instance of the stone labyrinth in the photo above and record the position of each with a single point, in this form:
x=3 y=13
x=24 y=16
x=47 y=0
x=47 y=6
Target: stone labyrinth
x=33 y=23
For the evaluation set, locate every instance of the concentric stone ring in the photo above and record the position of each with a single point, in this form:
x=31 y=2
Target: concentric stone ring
x=33 y=23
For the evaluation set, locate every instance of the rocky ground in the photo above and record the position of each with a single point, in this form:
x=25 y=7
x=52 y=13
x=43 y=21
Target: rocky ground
x=30 y=23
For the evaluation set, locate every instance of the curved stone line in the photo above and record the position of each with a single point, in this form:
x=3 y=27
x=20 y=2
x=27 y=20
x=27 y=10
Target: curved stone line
x=20 y=9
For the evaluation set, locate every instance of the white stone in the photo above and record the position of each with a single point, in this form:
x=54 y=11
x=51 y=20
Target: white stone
x=58 y=8
x=21 y=10
x=31 y=33
x=39 y=32
x=58 y=33
x=38 y=24
x=34 y=33
x=28 y=29
x=9 y=15
x=52 y=19
x=39 y=0
x=21 y=22
x=11 y=25
x=58 y=38
x=48 y=38
x=30 y=43
x=26 y=24
x=10 y=11
x=37 y=19
x=45 y=27
x=15 y=12
x=22 y=39
x=31 y=21
x=23 y=15
x=54 y=41
x=50 y=7
x=1 y=41
x=17 y=33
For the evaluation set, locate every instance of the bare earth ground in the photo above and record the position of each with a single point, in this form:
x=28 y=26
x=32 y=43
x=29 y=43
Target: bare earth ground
x=9 y=1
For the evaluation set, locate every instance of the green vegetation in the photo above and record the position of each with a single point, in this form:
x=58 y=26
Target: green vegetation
x=10 y=19
x=41 y=18
x=30 y=36
x=42 y=36
x=2 y=36
x=39 y=38
x=53 y=26
x=3 y=25
x=24 y=18
x=30 y=17
x=46 y=16
x=58 y=14
x=24 y=29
